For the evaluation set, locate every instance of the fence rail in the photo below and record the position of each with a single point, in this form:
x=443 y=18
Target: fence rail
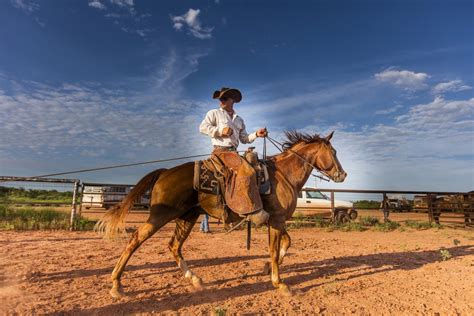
x=435 y=204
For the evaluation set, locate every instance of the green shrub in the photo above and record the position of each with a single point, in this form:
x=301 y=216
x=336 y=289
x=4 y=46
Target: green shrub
x=387 y=226
x=365 y=204
x=368 y=221
x=346 y=227
x=421 y=225
x=445 y=254
x=220 y=311
x=40 y=219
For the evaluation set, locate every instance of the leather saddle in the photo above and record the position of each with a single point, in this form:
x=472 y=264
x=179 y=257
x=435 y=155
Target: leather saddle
x=239 y=180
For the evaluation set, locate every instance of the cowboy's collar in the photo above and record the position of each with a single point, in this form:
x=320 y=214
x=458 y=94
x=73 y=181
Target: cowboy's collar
x=224 y=111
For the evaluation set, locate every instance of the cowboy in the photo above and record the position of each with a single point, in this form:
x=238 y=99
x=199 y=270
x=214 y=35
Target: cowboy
x=226 y=129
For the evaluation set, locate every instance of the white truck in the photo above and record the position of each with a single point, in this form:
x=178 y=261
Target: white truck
x=106 y=196
x=311 y=202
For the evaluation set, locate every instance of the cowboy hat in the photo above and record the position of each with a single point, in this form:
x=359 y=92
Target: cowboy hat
x=228 y=92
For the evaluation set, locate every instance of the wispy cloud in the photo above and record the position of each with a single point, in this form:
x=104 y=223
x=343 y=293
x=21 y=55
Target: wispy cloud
x=424 y=148
x=123 y=3
x=390 y=110
x=124 y=15
x=97 y=4
x=25 y=5
x=93 y=123
x=190 y=21
x=450 y=86
x=405 y=79
x=29 y=7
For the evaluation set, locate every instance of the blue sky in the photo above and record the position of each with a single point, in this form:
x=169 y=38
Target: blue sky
x=95 y=83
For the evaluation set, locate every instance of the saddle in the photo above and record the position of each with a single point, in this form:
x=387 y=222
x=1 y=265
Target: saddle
x=239 y=180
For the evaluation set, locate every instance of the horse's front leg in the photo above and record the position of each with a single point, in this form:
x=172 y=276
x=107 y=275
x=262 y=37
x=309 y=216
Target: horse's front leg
x=184 y=226
x=284 y=245
x=275 y=234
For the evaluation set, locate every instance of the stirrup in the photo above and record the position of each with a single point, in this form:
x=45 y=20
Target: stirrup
x=259 y=217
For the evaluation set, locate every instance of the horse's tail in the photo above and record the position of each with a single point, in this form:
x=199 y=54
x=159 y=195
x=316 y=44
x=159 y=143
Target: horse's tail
x=112 y=224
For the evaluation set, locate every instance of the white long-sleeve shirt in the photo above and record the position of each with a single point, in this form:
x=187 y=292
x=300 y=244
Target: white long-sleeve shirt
x=216 y=120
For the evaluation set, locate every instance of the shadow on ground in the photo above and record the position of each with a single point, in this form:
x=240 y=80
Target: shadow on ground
x=361 y=266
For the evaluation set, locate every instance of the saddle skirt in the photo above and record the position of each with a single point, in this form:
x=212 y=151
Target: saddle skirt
x=232 y=176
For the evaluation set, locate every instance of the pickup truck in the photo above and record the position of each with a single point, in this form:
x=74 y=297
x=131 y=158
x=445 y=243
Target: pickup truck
x=316 y=203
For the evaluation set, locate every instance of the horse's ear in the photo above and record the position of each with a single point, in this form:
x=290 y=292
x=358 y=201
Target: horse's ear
x=328 y=138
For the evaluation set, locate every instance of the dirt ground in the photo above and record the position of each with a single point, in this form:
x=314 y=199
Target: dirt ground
x=400 y=272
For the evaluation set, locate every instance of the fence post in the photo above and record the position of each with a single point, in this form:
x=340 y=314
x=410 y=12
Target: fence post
x=333 y=211
x=73 y=208
x=385 y=208
x=80 y=199
x=430 y=207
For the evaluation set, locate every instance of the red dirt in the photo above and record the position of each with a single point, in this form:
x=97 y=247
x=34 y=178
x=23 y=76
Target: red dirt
x=330 y=272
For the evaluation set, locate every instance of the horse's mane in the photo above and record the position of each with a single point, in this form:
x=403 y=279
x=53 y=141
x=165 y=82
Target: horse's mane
x=294 y=137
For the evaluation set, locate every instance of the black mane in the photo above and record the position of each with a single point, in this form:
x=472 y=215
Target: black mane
x=294 y=137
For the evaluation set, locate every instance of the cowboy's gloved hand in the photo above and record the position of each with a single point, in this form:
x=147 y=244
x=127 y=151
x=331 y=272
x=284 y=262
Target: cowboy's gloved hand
x=262 y=132
x=226 y=132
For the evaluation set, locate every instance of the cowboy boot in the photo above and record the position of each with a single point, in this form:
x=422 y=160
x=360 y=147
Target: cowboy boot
x=259 y=217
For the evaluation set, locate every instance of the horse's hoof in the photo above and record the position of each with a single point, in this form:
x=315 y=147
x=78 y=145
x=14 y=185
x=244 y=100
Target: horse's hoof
x=266 y=268
x=197 y=283
x=117 y=293
x=285 y=290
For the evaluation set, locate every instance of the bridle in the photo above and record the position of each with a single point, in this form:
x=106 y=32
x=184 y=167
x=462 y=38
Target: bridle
x=276 y=143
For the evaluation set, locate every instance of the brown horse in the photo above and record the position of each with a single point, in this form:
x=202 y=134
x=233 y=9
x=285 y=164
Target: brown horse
x=173 y=198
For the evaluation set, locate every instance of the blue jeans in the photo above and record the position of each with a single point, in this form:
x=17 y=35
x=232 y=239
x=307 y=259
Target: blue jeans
x=205 y=224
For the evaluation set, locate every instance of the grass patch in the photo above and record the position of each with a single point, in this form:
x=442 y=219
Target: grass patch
x=38 y=219
x=368 y=220
x=300 y=221
x=386 y=227
x=421 y=225
x=347 y=227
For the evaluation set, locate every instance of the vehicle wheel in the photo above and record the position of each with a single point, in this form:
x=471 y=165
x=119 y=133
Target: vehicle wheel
x=353 y=215
x=342 y=217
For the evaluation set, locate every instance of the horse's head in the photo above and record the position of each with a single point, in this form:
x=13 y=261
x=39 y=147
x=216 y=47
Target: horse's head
x=327 y=162
x=318 y=151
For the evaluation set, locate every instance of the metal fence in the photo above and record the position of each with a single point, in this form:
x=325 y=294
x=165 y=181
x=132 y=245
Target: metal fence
x=448 y=208
x=93 y=199
x=23 y=191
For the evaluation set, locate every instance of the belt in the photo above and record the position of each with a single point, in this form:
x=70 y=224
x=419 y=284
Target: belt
x=224 y=148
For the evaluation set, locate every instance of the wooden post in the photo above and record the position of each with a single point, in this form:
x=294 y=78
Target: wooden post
x=73 y=209
x=385 y=208
x=430 y=207
x=333 y=210
x=249 y=234
x=82 y=195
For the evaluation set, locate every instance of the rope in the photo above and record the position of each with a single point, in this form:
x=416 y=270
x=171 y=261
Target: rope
x=117 y=166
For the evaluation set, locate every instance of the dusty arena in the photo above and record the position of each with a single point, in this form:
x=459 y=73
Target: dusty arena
x=401 y=272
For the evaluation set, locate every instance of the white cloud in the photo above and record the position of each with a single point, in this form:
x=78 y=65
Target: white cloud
x=390 y=110
x=430 y=147
x=191 y=21
x=123 y=3
x=63 y=127
x=450 y=86
x=26 y=5
x=97 y=4
x=405 y=79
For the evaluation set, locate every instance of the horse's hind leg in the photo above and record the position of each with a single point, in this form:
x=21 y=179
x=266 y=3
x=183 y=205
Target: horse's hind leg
x=184 y=226
x=144 y=232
